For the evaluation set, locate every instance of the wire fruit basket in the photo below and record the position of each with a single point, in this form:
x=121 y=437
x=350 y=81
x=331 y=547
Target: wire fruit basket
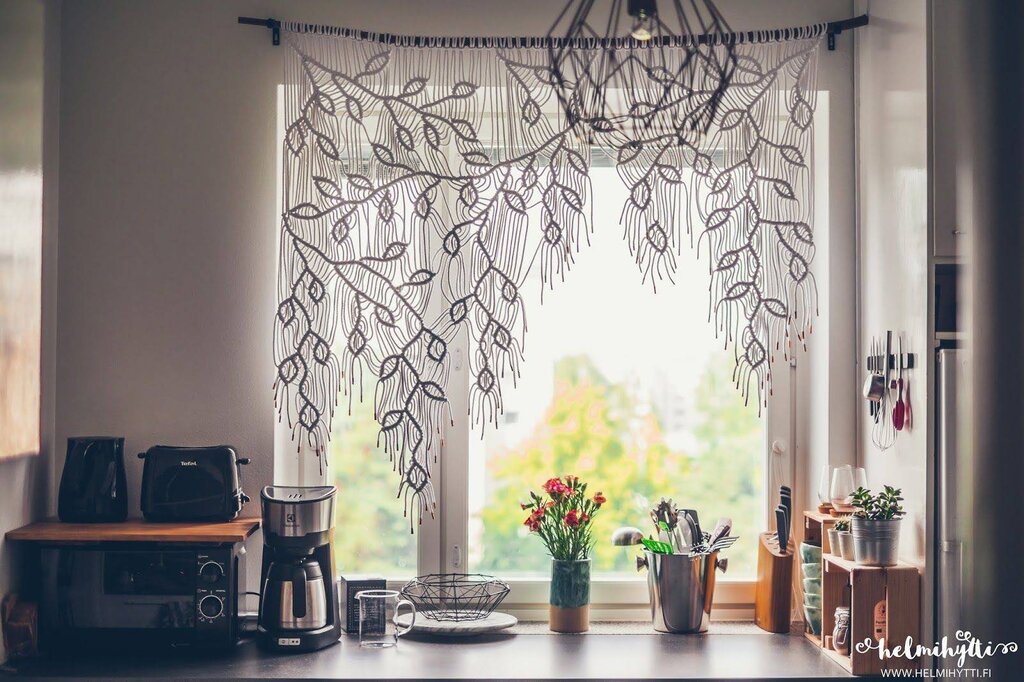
x=455 y=597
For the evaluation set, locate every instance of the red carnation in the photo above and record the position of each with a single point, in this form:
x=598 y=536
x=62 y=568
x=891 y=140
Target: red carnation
x=599 y=498
x=572 y=519
x=556 y=488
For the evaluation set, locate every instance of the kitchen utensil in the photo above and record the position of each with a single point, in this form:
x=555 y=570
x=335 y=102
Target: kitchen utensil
x=695 y=532
x=698 y=534
x=780 y=525
x=874 y=386
x=681 y=589
x=721 y=530
x=378 y=618
x=723 y=543
x=348 y=587
x=884 y=435
x=786 y=500
x=656 y=546
x=899 y=410
x=627 y=536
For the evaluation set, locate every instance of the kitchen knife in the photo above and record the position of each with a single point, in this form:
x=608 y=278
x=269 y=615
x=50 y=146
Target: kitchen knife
x=780 y=525
x=786 y=498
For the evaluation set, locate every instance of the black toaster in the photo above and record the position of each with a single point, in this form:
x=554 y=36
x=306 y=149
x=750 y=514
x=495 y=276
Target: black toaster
x=191 y=484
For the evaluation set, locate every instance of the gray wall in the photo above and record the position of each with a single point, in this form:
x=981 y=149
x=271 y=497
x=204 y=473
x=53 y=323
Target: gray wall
x=28 y=106
x=892 y=148
x=168 y=223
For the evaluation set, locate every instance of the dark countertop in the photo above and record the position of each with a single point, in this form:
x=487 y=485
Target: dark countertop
x=649 y=656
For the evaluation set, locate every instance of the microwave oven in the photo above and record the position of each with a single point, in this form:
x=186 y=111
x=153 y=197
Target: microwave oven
x=126 y=595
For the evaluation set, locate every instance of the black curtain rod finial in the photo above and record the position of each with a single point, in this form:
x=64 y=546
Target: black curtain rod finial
x=273 y=24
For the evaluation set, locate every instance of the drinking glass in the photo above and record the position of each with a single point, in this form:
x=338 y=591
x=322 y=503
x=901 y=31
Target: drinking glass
x=824 y=481
x=378 y=618
x=845 y=480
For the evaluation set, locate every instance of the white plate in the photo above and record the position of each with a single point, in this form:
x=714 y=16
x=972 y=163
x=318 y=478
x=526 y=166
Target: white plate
x=427 y=626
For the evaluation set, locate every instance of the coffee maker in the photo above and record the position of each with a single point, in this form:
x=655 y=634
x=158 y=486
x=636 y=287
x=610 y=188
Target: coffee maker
x=299 y=602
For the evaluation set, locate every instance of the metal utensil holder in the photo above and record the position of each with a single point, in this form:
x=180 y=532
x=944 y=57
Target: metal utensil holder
x=681 y=588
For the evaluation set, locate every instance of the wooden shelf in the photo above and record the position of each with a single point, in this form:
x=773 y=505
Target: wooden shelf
x=863 y=589
x=842 y=660
x=54 y=532
x=851 y=566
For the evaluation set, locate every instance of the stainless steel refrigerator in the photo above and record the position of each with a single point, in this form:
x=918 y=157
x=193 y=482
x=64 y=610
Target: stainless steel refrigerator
x=949 y=582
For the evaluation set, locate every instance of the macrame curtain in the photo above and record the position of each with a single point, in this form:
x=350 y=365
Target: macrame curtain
x=424 y=180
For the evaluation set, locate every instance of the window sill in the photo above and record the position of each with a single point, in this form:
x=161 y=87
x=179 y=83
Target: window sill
x=620 y=600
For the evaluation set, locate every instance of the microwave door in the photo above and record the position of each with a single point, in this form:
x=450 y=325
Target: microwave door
x=125 y=590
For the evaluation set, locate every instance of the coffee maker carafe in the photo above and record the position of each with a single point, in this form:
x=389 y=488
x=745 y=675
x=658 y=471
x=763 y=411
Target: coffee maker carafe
x=299 y=605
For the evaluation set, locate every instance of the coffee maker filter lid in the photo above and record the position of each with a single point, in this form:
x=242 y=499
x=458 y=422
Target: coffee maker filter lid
x=297 y=494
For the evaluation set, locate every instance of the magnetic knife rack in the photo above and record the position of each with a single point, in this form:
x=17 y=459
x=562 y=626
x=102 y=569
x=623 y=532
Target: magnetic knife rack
x=876 y=363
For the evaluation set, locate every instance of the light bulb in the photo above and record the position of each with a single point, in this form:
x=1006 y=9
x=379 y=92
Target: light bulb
x=641 y=33
x=640 y=30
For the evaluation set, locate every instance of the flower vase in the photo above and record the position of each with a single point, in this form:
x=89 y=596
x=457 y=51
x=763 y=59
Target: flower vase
x=570 y=596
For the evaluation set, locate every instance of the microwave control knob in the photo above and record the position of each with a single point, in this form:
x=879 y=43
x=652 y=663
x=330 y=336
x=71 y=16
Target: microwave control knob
x=211 y=606
x=211 y=572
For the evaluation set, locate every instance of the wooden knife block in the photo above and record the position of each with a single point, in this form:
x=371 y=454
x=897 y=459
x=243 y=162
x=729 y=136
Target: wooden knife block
x=773 y=595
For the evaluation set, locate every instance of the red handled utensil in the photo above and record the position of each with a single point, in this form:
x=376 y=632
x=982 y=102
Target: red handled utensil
x=899 y=411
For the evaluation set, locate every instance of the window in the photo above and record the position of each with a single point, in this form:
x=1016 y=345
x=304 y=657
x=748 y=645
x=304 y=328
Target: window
x=629 y=390
x=371 y=534
x=622 y=386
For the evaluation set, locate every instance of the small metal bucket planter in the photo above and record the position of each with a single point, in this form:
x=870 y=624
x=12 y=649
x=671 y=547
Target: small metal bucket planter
x=876 y=542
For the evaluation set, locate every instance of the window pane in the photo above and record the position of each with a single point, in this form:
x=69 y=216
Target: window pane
x=371 y=535
x=631 y=391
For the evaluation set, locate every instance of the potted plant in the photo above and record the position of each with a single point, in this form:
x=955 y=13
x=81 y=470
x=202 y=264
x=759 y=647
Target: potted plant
x=876 y=526
x=844 y=539
x=562 y=518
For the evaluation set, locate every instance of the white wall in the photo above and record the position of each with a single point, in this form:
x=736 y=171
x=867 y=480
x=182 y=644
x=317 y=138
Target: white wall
x=168 y=222
x=893 y=233
x=29 y=43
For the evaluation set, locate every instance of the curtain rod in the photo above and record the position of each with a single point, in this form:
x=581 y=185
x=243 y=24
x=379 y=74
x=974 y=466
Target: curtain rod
x=832 y=29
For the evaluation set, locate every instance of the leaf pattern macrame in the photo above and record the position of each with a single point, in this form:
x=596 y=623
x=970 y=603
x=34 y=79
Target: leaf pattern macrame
x=423 y=183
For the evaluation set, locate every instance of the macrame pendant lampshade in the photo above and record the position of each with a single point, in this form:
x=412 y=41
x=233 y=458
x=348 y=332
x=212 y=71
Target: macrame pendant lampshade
x=637 y=70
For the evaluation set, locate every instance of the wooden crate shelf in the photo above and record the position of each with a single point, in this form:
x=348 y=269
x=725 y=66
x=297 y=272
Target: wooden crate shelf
x=863 y=588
